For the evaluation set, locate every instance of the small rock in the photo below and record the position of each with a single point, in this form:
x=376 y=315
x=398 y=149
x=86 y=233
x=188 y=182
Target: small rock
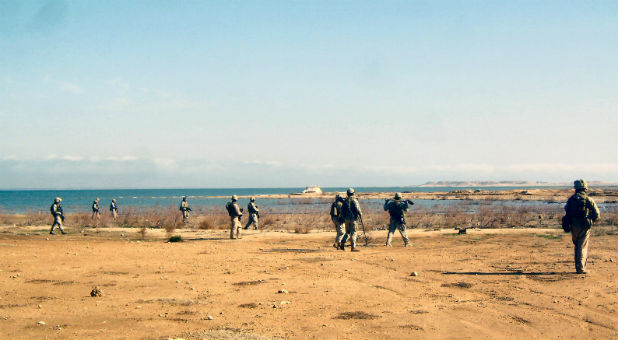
x=138 y=307
x=47 y=238
x=210 y=317
x=42 y=323
x=96 y=292
x=274 y=306
x=58 y=327
x=177 y=281
x=611 y=259
x=414 y=274
x=284 y=302
x=192 y=288
x=282 y=291
x=39 y=306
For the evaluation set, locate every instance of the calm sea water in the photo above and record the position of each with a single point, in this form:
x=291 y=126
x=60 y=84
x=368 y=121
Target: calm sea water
x=21 y=201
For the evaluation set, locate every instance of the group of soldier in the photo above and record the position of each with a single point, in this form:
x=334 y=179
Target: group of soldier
x=234 y=211
x=58 y=213
x=346 y=214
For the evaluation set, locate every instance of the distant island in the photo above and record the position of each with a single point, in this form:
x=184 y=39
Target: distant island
x=506 y=184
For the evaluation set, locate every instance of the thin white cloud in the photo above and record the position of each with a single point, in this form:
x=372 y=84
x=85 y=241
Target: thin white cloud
x=70 y=87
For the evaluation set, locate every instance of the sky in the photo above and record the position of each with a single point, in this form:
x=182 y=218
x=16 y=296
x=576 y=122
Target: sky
x=158 y=94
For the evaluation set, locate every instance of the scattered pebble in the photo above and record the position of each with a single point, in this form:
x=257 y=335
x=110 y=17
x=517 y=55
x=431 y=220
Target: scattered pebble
x=42 y=323
x=58 y=327
x=284 y=302
x=282 y=291
x=39 y=306
x=611 y=259
x=414 y=274
x=210 y=317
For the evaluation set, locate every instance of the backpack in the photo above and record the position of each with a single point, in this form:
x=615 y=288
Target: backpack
x=395 y=209
x=578 y=207
x=229 y=206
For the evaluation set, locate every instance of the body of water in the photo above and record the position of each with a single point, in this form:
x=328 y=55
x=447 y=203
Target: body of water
x=21 y=201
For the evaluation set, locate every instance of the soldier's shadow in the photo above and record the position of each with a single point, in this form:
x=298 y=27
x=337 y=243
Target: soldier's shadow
x=206 y=239
x=513 y=273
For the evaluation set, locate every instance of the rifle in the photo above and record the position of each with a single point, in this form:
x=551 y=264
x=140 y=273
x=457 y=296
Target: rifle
x=407 y=201
x=360 y=217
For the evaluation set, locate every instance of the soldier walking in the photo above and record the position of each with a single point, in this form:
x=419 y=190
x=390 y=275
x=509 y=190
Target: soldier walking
x=96 y=214
x=336 y=215
x=396 y=209
x=235 y=213
x=184 y=208
x=254 y=214
x=351 y=214
x=581 y=213
x=58 y=213
x=113 y=208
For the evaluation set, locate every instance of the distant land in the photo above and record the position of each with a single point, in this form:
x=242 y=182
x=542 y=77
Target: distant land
x=507 y=184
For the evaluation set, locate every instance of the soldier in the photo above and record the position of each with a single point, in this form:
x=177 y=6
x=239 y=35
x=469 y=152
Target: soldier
x=235 y=213
x=184 y=208
x=58 y=213
x=254 y=214
x=336 y=215
x=96 y=214
x=113 y=208
x=351 y=214
x=581 y=213
x=396 y=208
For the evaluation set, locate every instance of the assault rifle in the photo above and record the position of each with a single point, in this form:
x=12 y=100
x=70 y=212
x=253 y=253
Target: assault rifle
x=407 y=201
x=360 y=217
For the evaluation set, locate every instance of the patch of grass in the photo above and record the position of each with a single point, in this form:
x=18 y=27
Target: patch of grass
x=175 y=238
x=248 y=283
x=356 y=316
x=550 y=236
x=248 y=305
x=458 y=285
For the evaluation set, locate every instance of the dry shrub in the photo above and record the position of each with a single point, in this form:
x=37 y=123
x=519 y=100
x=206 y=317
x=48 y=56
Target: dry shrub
x=301 y=229
x=206 y=224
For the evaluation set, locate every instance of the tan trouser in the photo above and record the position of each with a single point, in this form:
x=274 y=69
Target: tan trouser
x=580 y=237
x=350 y=232
x=235 y=227
x=185 y=216
x=57 y=222
x=339 y=229
x=397 y=225
x=253 y=219
x=115 y=213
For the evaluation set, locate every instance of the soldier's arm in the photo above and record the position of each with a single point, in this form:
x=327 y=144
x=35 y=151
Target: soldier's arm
x=237 y=208
x=404 y=206
x=358 y=208
x=594 y=211
x=386 y=204
x=255 y=207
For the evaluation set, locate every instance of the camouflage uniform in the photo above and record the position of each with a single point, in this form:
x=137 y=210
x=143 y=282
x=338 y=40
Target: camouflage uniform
x=396 y=209
x=336 y=215
x=254 y=214
x=581 y=212
x=95 y=209
x=113 y=208
x=351 y=214
x=184 y=208
x=58 y=213
x=235 y=214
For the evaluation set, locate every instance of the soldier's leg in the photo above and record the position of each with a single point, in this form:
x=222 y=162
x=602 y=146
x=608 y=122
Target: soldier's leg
x=353 y=233
x=232 y=227
x=238 y=227
x=580 y=238
x=53 y=226
x=391 y=232
x=404 y=234
x=340 y=232
x=256 y=222
x=248 y=223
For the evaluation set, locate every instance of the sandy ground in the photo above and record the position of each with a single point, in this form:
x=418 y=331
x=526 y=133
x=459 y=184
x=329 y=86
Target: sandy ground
x=488 y=284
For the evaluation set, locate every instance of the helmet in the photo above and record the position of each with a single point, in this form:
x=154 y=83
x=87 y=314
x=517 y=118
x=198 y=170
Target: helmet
x=580 y=184
x=397 y=196
x=58 y=199
x=184 y=198
x=338 y=196
x=252 y=199
x=114 y=200
x=234 y=198
x=350 y=192
x=98 y=199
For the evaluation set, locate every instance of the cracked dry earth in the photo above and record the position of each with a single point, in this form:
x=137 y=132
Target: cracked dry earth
x=487 y=284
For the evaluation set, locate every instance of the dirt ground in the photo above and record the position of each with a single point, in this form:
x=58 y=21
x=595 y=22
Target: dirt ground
x=487 y=284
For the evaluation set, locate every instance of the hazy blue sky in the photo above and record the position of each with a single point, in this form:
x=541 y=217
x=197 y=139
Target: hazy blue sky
x=293 y=93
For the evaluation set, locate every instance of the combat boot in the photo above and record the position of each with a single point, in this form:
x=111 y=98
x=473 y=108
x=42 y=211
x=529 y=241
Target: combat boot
x=342 y=247
x=52 y=233
x=63 y=232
